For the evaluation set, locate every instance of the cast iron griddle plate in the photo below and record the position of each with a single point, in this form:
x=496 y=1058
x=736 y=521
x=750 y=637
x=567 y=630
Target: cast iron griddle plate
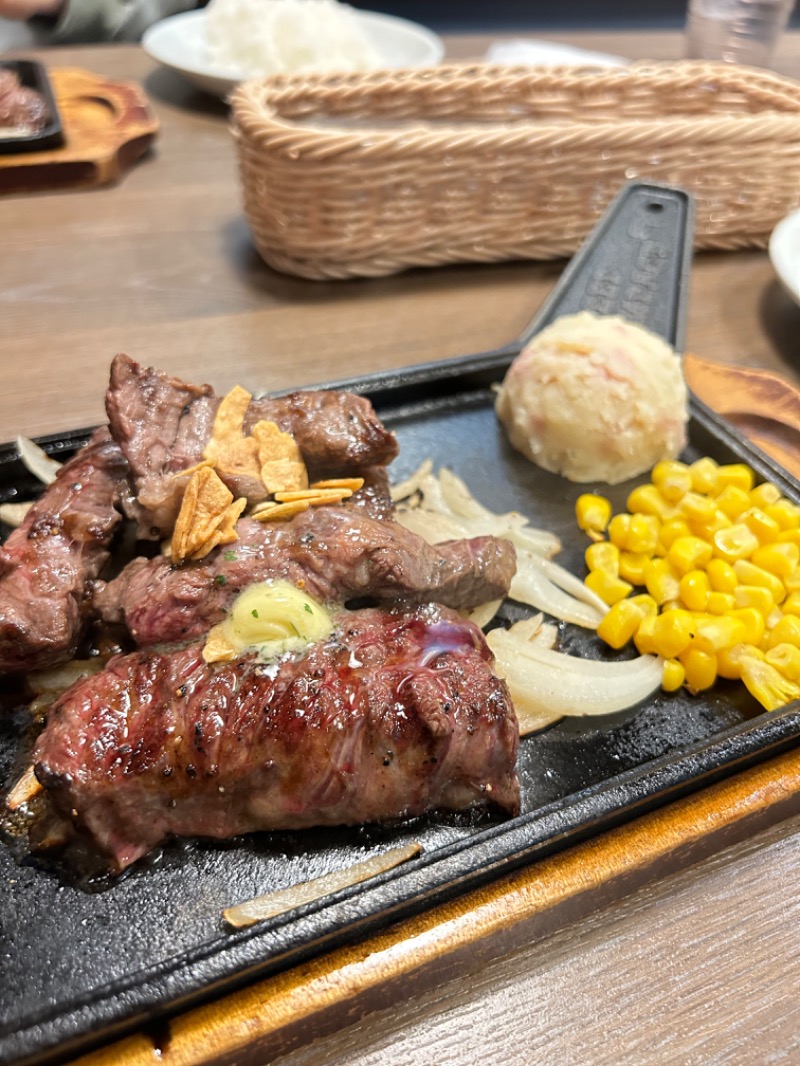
x=79 y=966
x=33 y=76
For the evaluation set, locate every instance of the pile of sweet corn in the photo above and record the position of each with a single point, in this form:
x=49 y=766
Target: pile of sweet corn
x=719 y=558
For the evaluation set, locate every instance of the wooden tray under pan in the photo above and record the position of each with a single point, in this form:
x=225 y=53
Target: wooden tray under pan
x=107 y=127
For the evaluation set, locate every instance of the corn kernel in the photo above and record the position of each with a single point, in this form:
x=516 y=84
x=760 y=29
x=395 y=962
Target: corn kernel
x=645 y=603
x=644 y=637
x=603 y=556
x=778 y=559
x=706 y=530
x=755 y=596
x=789 y=536
x=785 y=513
x=620 y=623
x=765 y=494
x=787 y=631
x=673 y=676
x=646 y=499
x=733 y=501
x=632 y=566
x=736 y=474
x=672 y=633
x=729 y=663
x=698 y=508
x=786 y=660
x=704 y=473
x=671 y=530
x=721 y=576
x=643 y=534
x=760 y=523
x=768 y=685
x=593 y=512
x=791 y=605
x=720 y=602
x=690 y=553
x=661 y=581
x=792 y=581
x=618 y=529
x=701 y=669
x=715 y=632
x=694 y=589
x=750 y=574
x=609 y=588
x=672 y=479
x=736 y=542
x=754 y=624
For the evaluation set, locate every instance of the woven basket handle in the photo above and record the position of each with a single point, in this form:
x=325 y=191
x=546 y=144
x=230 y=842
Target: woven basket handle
x=635 y=263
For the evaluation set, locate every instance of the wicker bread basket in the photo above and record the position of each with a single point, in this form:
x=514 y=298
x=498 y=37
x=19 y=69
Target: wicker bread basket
x=367 y=174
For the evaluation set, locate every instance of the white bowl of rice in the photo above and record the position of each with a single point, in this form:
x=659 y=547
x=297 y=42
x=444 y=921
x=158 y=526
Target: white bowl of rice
x=233 y=40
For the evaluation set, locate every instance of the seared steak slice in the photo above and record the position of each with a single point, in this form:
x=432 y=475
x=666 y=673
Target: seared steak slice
x=163 y=424
x=334 y=553
x=46 y=564
x=392 y=716
x=21 y=108
x=374 y=497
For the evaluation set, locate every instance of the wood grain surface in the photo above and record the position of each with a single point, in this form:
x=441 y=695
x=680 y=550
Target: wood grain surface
x=694 y=958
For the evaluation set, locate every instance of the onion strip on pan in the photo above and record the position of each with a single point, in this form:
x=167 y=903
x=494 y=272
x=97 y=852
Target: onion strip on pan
x=37 y=461
x=440 y=507
x=42 y=466
x=446 y=509
x=286 y=899
x=546 y=685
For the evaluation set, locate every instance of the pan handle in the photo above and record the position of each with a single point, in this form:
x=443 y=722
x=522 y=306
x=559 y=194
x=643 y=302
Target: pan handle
x=635 y=263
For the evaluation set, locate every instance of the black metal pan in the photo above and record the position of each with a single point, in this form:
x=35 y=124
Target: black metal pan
x=33 y=75
x=78 y=967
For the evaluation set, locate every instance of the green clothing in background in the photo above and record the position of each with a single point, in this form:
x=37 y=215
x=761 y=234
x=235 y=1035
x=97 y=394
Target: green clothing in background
x=107 y=20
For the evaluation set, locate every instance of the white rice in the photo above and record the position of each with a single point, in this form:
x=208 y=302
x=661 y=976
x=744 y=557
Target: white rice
x=263 y=37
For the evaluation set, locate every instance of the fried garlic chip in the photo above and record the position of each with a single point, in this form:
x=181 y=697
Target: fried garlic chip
x=229 y=420
x=217 y=648
x=281 y=464
x=270 y=511
x=233 y=454
x=204 y=518
x=351 y=483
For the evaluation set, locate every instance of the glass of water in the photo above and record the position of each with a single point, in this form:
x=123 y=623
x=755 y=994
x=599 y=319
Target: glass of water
x=736 y=31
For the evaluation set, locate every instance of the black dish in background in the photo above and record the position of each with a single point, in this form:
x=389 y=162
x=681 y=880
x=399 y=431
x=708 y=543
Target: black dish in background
x=77 y=968
x=34 y=76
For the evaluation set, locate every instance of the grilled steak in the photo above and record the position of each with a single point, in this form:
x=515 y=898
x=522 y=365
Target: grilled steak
x=334 y=553
x=46 y=564
x=163 y=424
x=21 y=108
x=390 y=717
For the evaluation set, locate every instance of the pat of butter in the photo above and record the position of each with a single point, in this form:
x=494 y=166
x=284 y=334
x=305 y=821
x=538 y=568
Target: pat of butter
x=270 y=618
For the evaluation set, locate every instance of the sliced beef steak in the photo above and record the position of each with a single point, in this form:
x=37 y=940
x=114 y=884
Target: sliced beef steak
x=163 y=424
x=21 y=108
x=47 y=563
x=392 y=716
x=334 y=553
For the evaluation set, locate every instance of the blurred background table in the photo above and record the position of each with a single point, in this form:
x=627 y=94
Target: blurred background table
x=691 y=959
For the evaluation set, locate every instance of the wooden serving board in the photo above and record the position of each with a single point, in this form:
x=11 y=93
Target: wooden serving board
x=286 y=1012
x=108 y=126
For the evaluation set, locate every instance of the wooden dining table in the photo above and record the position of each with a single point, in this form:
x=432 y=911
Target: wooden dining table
x=674 y=938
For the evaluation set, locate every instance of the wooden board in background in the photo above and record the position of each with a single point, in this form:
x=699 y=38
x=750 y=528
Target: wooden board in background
x=108 y=126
